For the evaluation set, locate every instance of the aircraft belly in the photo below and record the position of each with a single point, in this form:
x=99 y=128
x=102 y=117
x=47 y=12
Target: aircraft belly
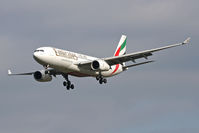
x=67 y=66
x=82 y=72
x=115 y=69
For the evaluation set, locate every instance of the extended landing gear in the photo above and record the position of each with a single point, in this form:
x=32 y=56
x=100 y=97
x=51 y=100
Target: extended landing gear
x=101 y=79
x=67 y=83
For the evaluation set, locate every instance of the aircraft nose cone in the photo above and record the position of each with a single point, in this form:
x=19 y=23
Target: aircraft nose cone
x=36 y=56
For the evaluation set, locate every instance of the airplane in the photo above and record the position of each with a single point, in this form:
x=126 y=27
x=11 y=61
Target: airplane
x=61 y=62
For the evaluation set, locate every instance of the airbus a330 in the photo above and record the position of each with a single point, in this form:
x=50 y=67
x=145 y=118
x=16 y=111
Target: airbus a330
x=61 y=62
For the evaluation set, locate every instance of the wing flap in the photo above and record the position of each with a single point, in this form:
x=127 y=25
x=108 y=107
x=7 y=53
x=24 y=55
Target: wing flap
x=126 y=58
x=137 y=64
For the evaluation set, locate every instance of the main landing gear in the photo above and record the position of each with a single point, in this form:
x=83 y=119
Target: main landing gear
x=67 y=83
x=101 y=79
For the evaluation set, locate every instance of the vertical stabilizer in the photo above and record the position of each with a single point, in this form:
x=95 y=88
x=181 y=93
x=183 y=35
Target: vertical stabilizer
x=121 y=48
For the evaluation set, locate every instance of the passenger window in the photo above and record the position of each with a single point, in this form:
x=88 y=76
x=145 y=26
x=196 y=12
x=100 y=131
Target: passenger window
x=39 y=50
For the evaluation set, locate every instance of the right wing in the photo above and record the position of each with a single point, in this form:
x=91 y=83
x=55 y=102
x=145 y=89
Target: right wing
x=10 y=73
x=51 y=71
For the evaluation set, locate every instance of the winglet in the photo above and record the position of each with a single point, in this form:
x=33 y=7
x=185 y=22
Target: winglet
x=9 y=72
x=187 y=40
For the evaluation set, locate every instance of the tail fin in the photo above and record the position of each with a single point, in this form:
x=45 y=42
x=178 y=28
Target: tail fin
x=121 y=48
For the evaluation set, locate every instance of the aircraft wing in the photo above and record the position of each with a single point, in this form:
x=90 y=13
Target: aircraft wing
x=143 y=54
x=50 y=70
x=10 y=73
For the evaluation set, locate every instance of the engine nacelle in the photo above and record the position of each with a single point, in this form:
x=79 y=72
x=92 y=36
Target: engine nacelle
x=100 y=65
x=41 y=76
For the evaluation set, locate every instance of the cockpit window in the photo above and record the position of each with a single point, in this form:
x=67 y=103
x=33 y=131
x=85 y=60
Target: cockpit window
x=39 y=50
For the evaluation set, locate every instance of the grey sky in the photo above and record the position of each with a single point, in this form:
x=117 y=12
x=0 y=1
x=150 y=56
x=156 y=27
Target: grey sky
x=153 y=98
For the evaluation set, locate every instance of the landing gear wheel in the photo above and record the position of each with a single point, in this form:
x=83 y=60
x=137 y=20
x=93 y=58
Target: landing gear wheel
x=64 y=83
x=68 y=87
x=97 y=78
x=72 y=86
x=67 y=83
x=100 y=81
x=105 y=81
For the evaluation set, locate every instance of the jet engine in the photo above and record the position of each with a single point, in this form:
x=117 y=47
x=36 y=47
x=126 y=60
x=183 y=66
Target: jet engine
x=100 y=65
x=41 y=76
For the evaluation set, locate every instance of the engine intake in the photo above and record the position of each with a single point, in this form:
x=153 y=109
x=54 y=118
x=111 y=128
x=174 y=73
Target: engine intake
x=95 y=65
x=42 y=77
x=100 y=65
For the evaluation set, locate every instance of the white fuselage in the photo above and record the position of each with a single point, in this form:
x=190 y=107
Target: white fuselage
x=67 y=62
x=61 y=62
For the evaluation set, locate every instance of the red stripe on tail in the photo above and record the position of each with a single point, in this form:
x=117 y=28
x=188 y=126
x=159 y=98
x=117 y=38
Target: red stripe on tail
x=118 y=51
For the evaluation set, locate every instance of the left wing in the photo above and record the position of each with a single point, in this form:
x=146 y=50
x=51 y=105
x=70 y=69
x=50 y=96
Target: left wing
x=143 y=54
x=146 y=62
